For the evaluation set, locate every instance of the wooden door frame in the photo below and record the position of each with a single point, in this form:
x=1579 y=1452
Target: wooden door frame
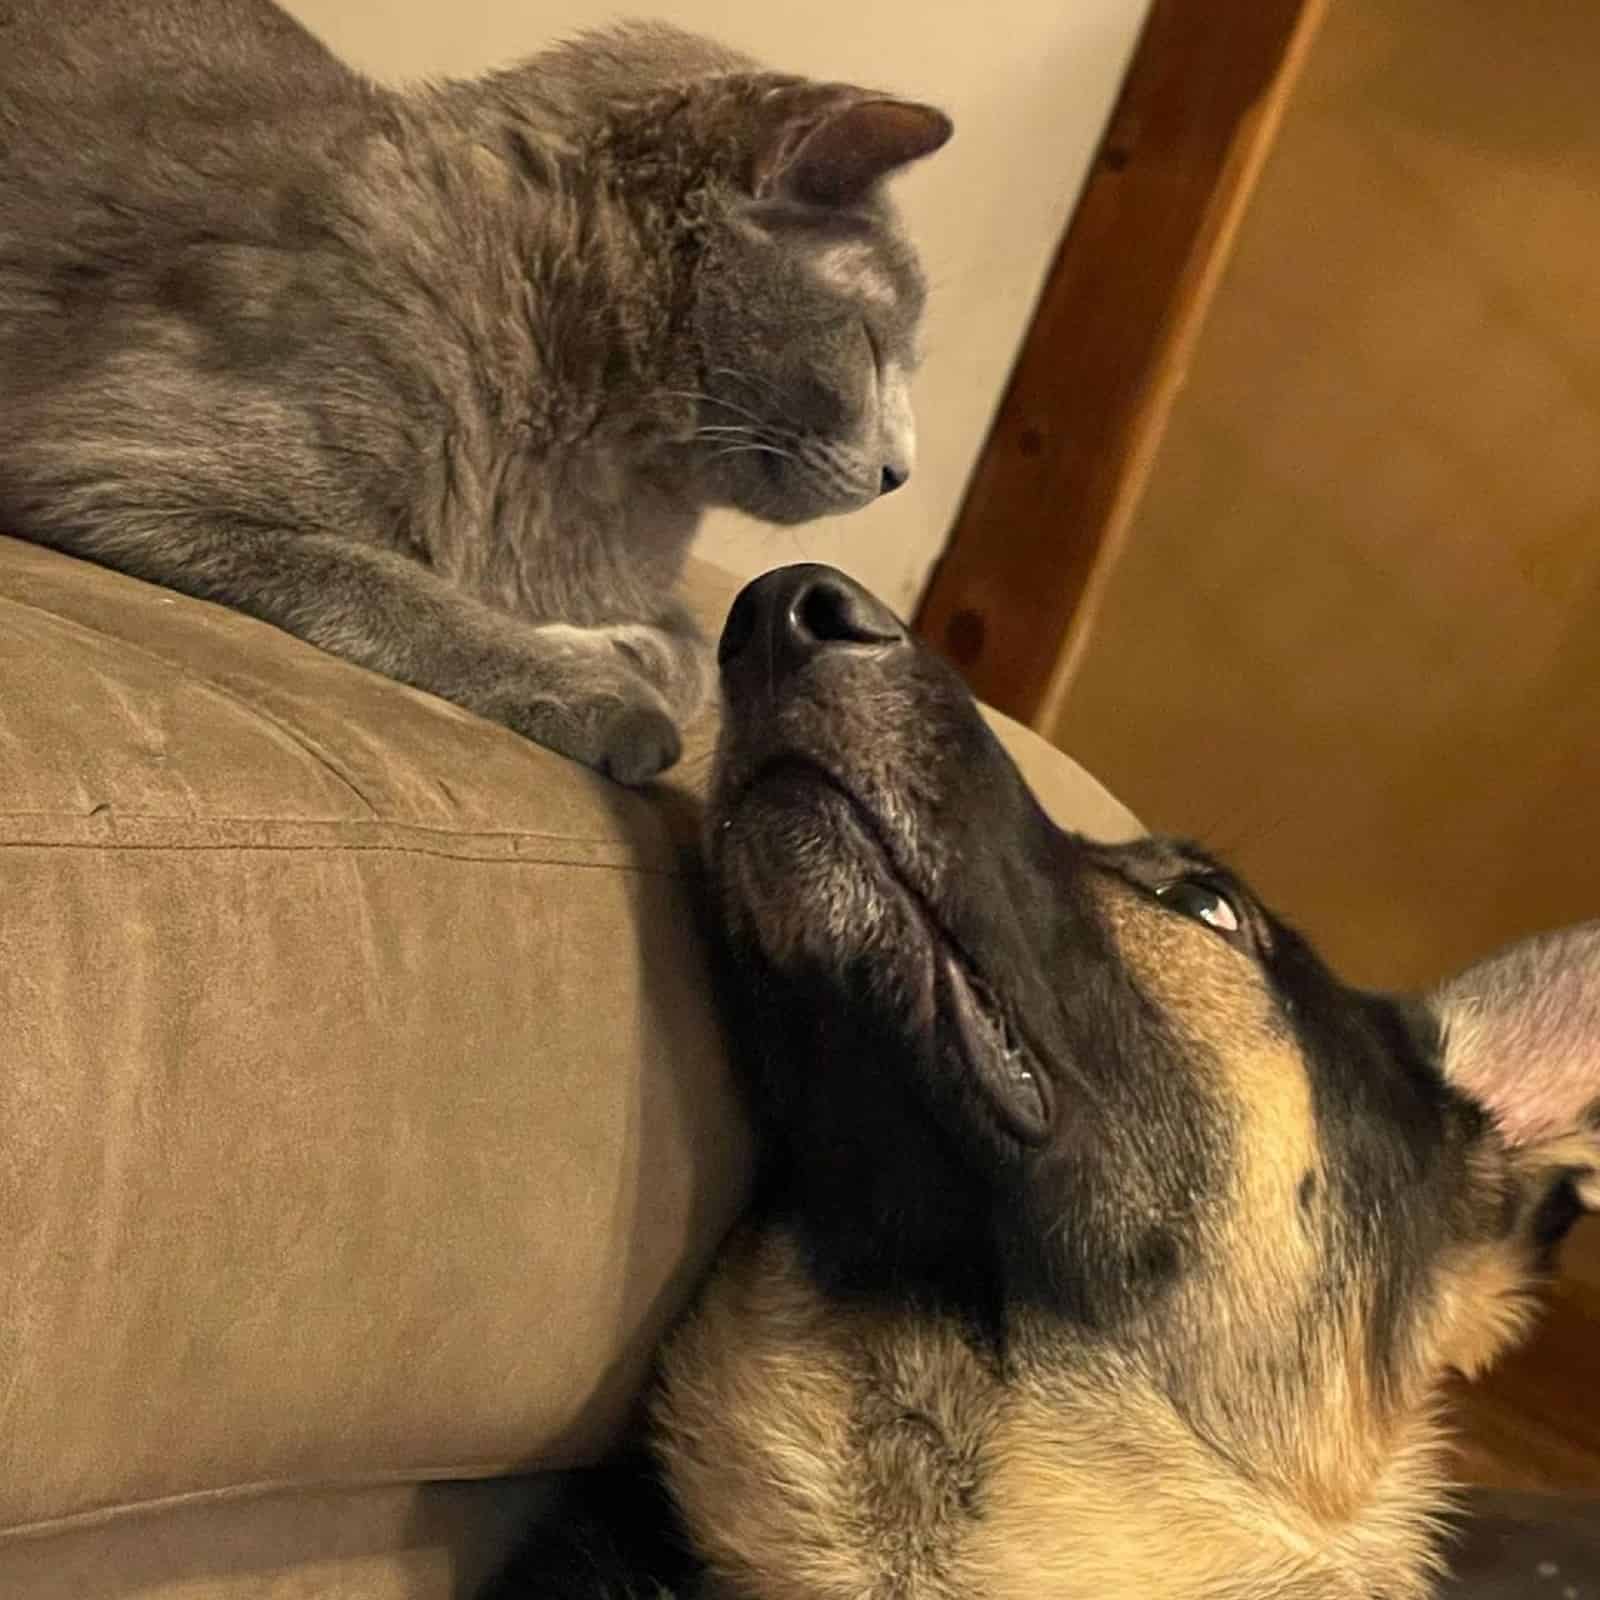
x=1012 y=597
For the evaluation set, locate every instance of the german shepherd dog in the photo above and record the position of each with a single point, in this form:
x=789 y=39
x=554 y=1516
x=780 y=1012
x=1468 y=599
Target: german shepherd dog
x=1107 y=1245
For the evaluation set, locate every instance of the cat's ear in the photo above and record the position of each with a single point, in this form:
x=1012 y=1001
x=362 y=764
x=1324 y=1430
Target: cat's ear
x=831 y=146
x=1521 y=1036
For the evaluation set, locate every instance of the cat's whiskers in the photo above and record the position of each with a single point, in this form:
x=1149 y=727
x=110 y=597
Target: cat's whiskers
x=735 y=438
x=750 y=380
x=713 y=400
x=835 y=467
x=768 y=449
x=756 y=424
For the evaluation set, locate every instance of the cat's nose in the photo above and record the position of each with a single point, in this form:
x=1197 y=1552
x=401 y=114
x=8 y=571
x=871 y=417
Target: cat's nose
x=782 y=620
x=891 y=479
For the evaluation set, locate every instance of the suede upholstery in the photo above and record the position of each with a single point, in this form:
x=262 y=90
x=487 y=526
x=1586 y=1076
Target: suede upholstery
x=365 y=1116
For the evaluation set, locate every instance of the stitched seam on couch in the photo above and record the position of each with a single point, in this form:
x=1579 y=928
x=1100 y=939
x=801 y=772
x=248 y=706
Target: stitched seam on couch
x=98 y=1516
x=114 y=832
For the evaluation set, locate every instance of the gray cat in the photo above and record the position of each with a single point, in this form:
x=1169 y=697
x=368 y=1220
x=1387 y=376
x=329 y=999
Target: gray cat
x=442 y=380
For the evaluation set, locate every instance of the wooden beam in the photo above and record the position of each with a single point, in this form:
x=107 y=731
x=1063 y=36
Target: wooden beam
x=1009 y=601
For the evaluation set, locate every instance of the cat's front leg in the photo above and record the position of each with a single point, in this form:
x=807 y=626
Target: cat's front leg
x=608 y=698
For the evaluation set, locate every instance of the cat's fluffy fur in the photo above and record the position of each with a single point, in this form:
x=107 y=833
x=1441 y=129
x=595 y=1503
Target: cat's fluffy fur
x=441 y=380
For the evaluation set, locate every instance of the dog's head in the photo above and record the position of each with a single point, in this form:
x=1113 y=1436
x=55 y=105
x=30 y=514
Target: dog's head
x=1102 y=1090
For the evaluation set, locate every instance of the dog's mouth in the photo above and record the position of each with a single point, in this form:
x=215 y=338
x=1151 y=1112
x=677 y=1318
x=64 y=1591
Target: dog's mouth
x=1000 y=1063
x=966 y=1017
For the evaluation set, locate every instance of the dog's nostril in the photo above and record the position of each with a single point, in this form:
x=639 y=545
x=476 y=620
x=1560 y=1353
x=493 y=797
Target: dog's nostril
x=786 y=617
x=891 y=479
x=831 y=613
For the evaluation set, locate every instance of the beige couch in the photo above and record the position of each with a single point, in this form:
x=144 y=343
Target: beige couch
x=362 y=1115
x=362 y=1119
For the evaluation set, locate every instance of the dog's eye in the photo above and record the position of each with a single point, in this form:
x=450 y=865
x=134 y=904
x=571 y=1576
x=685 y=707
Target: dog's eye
x=1204 y=901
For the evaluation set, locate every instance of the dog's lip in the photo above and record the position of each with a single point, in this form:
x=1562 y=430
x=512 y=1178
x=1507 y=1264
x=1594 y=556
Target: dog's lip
x=997 y=1060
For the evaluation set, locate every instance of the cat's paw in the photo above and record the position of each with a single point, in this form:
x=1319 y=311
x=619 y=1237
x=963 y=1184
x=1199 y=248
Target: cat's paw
x=637 y=744
x=677 y=664
x=623 y=730
x=583 y=693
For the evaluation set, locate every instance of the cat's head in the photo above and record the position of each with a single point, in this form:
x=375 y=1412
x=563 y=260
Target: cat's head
x=807 y=305
x=799 y=337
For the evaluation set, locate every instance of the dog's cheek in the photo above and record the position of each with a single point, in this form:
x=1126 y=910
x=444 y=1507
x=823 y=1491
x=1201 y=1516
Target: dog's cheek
x=1518 y=1206
x=1487 y=1304
x=805 y=902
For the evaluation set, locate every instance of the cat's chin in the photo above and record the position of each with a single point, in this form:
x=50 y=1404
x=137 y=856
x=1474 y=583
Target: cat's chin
x=788 y=509
x=795 y=517
x=781 y=493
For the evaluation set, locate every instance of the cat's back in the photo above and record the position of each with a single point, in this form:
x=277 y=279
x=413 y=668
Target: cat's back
x=135 y=132
x=207 y=58
x=106 y=94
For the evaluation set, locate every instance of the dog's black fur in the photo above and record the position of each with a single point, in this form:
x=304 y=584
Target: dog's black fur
x=1102 y=1123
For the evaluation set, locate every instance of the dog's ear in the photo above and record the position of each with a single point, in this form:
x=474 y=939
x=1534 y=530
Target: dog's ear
x=1521 y=1036
x=1521 y=1039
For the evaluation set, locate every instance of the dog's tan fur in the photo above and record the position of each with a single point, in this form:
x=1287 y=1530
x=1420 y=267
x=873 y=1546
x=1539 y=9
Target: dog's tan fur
x=823 y=1453
x=816 y=1454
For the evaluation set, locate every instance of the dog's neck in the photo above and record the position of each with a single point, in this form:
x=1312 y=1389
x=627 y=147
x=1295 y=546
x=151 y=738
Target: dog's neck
x=828 y=1454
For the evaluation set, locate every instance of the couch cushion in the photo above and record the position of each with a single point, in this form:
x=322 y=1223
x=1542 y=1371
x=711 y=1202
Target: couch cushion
x=364 y=1116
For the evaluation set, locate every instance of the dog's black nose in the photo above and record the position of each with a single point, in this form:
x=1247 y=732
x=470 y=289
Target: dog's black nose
x=890 y=479
x=790 y=615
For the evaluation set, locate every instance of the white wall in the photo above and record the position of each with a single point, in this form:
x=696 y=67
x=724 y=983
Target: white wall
x=1029 y=83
